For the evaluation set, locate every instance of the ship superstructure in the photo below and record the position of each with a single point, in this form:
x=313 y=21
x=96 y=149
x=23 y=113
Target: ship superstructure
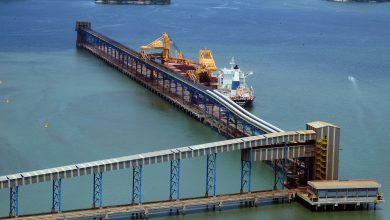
x=230 y=82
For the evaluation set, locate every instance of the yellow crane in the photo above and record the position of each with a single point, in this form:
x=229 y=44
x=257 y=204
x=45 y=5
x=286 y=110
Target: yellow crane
x=206 y=60
x=162 y=43
x=206 y=63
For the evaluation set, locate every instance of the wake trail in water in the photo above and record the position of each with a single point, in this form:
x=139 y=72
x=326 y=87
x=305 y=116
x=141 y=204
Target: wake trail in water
x=353 y=81
x=365 y=112
x=223 y=6
x=358 y=102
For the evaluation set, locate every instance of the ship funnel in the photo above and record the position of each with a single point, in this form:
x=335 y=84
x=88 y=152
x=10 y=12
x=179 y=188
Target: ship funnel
x=236 y=80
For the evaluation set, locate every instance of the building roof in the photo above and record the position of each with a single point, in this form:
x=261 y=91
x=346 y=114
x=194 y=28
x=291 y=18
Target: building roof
x=320 y=124
x=344 y=184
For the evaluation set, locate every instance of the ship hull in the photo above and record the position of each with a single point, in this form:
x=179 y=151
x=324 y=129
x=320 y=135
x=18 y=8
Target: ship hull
x=210 y=82
x=243 y=102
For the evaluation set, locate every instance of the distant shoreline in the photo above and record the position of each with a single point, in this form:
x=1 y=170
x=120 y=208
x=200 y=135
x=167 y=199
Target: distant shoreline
x=363 y=1
x=135 y=2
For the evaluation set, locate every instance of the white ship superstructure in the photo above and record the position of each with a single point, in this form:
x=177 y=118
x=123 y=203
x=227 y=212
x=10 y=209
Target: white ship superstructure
x=232 y=83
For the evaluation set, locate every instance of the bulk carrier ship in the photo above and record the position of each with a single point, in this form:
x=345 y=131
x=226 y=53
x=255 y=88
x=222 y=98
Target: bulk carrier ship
x=230 y=82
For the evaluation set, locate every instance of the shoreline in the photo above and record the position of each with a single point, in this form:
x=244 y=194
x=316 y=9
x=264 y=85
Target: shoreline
x=135 y=2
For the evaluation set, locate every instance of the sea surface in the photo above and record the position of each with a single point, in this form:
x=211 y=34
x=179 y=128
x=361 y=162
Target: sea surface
x=313 y=60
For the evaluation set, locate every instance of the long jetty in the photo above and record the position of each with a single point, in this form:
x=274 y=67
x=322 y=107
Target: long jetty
x=195 y=99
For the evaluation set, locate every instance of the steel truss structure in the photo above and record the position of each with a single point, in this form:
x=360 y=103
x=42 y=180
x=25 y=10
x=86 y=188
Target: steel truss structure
x=56 y=195
x=136 y=192
x=97 y=200
x=14 y=201
x=174 y=180
x=211 y=174
x=246 y=170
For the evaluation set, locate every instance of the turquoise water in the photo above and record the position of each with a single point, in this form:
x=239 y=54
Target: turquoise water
x=313 y=60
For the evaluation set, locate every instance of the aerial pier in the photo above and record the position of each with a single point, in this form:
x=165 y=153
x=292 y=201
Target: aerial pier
x=272 y=147
x=197 y=100
x=304 y=161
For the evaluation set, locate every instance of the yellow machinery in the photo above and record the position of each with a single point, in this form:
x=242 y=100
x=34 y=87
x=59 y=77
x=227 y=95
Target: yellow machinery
x=206 y=59
x=204 y=66
x=162 y=43
x=320 y=159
